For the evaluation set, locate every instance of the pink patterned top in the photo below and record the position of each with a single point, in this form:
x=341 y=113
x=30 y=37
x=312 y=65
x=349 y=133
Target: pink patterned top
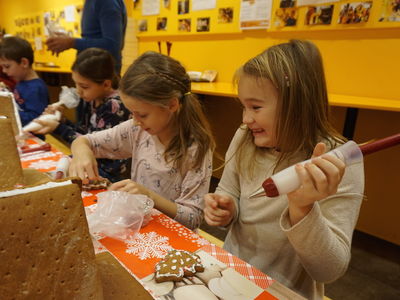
x=149 y=168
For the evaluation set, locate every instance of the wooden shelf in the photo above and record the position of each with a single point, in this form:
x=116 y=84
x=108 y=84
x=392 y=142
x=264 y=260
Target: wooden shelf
x=226 y=89
x=52 y=69
x=364 y=102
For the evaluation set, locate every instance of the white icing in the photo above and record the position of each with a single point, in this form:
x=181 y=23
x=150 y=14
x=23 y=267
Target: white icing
x=34 y=189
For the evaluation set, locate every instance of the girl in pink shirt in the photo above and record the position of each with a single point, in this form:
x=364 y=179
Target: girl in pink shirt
x=169 y=140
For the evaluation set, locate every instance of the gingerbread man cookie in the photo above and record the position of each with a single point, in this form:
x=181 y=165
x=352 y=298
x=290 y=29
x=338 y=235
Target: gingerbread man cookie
x=177 y=264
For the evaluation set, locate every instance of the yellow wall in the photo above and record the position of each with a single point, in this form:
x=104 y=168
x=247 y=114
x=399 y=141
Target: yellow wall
x=12 y=10
x=360 y=59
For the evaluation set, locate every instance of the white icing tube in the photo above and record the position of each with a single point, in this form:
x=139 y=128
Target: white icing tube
x=34 y=126
x=62 y=167
x=287 y=180
x=68 y=98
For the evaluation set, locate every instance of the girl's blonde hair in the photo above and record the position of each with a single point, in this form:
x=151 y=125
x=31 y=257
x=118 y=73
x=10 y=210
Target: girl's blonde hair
x=296 y=70
x=156 y=79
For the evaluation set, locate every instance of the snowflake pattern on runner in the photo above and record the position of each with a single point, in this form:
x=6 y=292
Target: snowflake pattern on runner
x=182 y=231
x=86 y=194
x=33 y=156
x=148 y=245
x=43 y=164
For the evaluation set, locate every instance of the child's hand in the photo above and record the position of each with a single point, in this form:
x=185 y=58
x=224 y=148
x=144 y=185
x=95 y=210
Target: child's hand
x=130 y=187
x=84 y=165
x=52 y=109
x=319 y=179
x=219 y=209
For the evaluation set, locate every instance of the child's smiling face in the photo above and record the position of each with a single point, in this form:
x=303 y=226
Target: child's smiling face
x=259 y=99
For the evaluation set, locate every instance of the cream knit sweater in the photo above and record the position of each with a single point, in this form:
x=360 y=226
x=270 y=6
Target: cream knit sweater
x=302 y=257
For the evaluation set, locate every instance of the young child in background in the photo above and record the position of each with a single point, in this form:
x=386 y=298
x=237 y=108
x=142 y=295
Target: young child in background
x=30 y=92
x=302 y=239
x=6 y=82
x=96 y=82
x=169 y=140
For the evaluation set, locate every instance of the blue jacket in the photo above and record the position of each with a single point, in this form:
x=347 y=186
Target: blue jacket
x=32 y=97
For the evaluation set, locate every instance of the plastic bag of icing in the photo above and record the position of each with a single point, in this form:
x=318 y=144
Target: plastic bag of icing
x=120 y=215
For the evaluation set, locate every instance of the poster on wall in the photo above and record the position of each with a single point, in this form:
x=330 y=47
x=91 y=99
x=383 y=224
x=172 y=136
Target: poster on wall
x=255 y=14
x=390 y=11
x=314 y=2
x=203 y=4
x=319 y=15
x=203 y=25
x=162 y=24
x=183 y=7
x=355 y=12
x=69 y=13
x=184 y=25
x=225 y=15
x=150 y=7
x=286 y=14
x=142 y=25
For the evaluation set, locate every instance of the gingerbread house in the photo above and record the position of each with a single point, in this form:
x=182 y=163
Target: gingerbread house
x=45 y=246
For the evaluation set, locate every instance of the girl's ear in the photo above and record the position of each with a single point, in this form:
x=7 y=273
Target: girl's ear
x=107 y=84
x=24 y=62
x=173 y=105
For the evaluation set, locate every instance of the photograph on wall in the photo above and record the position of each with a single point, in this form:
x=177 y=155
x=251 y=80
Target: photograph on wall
x=184 y=25
x=285 y=17
x=319 y=15
x=151 y=7
x=142 y=25
x=183 y=7
x=203 y=4
x=353 y=13
x=287 y=3
x=255 y=14
x=162 y=24
x=167 y=3
x=203 y=24
x=390 y=11
x=313 y=2
x=225 y=15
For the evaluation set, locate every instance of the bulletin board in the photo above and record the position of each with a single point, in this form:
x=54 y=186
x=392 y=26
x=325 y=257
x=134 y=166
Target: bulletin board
x=177 y=17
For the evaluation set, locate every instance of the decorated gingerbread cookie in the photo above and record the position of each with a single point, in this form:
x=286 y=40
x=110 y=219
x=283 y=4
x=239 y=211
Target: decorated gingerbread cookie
x=177 y=264
x=100 y=184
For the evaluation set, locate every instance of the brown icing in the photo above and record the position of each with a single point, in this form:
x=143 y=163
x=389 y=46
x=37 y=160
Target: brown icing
x=177 y=264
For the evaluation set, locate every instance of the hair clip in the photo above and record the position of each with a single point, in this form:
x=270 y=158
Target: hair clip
x=187 y=93
x=287 y=81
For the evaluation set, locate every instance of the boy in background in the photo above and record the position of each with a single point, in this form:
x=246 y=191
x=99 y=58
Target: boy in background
x=30 y=92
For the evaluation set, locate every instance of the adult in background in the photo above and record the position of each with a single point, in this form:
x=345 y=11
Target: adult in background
x=103 y=26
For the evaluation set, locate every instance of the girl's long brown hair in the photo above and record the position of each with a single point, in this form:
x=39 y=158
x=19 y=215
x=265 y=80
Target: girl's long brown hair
x=296 y=70
x=156 y=79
